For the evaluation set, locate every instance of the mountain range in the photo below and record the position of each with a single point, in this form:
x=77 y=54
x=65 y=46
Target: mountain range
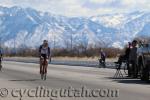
x=27 y=27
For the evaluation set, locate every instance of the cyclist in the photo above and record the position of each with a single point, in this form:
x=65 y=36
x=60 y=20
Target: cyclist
x=44 y=53
x=102 y=58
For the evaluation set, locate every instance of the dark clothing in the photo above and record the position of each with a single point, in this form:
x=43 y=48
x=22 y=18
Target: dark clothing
x=44 y=56
x=102 y=59
x=133 y=54
x=124 y=58
x=127 y=53
x=133 y=62
x=134 y=69
x=103 y=55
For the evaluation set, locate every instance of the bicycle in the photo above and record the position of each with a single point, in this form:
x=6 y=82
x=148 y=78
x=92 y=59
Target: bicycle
x=102 y=63
x=43 y=69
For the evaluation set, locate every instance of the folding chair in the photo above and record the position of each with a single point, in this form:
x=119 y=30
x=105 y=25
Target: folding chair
x=118 y=73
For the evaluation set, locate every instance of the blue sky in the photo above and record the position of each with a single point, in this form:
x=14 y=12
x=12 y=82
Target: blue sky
x=81 y=7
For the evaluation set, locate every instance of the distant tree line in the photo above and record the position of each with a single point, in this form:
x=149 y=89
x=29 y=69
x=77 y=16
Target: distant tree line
x=79 y=51
x=82 y=49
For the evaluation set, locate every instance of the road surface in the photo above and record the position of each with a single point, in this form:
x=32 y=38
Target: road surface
x=21 y=81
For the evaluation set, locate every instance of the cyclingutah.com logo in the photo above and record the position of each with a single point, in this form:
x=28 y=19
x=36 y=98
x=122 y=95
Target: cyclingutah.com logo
x=53 y=94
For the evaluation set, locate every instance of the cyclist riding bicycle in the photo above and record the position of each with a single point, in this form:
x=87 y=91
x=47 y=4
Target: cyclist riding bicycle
x=102 y=58
x=44 y=53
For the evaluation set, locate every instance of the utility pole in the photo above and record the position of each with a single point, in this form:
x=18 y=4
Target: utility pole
x=24 y=43
x=24 y=48
x=71 y=41
x=54 y=40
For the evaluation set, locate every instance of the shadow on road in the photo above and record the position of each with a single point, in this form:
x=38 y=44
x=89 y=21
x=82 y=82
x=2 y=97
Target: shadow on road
x=30 y=80
x=94 y=64
x=127 y=80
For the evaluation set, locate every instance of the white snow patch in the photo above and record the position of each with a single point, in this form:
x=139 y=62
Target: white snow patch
x=31 y=18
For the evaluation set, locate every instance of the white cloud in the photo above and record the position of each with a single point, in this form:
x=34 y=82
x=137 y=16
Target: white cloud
x=100 y=1
x=81 y=7
x=137 y=4
x=7 y=3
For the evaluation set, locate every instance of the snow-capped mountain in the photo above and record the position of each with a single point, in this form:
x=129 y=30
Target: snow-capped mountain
x=28 y=27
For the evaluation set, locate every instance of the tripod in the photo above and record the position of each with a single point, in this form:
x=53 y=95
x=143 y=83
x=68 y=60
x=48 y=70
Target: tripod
x=118 y=71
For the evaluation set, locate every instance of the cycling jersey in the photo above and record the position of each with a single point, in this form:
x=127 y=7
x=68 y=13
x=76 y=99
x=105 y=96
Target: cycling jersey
x=44 y=51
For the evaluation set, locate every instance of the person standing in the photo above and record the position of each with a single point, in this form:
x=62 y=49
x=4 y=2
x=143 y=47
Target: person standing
x=127 y=53
x=133 y=59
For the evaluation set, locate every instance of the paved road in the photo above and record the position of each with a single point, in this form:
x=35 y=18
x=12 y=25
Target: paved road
x=23 y=79
x=84 y=63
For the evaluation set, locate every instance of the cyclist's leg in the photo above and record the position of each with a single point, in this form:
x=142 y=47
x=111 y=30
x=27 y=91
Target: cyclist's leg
x=45 y=66
x=44 y=69
x=41 y=65
x=1 y=64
